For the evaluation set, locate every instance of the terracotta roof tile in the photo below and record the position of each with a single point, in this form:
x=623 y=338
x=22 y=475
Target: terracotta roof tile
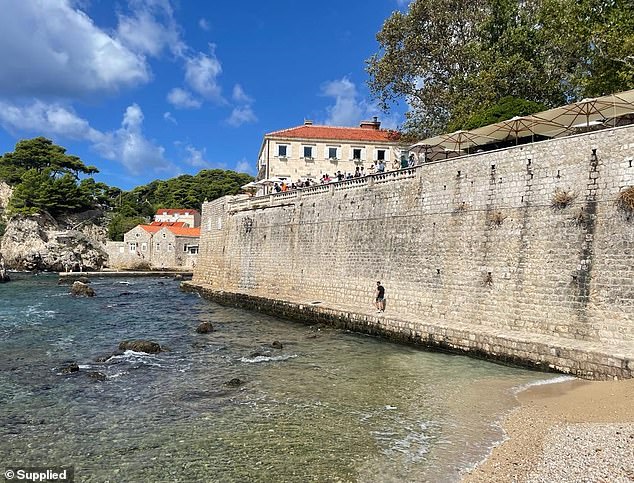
x=184 y=231
x=337 y=133
x=167 y=223
x=151 y=228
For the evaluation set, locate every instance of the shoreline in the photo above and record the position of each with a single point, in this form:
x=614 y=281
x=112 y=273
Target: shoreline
x=567 y=431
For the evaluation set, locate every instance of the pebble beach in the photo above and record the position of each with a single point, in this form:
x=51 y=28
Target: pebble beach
x=575 y=431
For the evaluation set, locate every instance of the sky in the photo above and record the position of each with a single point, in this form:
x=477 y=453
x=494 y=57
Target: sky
x=152 y=89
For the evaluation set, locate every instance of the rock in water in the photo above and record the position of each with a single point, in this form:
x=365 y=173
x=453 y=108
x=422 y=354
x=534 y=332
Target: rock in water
x=146 y=346
x=97 y=376
x=235 y=382
x=82 y=290
x=277 y=345
x=205 y=328
x=70 y=368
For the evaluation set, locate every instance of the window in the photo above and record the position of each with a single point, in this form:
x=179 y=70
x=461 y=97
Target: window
x=380 y=154
x=158 y=247
x=332 y=153
x=170 y=247
x=356 y=153
x=282 y=150
x=185 y=247
x=143 y=247
x=308 y=151
x=132 y=247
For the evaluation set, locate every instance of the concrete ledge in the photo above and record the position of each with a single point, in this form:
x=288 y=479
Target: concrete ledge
x=587 y=360
x=123 y=273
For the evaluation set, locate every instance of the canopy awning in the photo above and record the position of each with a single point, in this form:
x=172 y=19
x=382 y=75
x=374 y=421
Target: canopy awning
x=550 y=123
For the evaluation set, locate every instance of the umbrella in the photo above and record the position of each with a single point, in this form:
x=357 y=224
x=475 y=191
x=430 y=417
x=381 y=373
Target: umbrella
x=270 y=181
x=456 y=141
x=519 y=127
x=586 y=111
x=250 y=185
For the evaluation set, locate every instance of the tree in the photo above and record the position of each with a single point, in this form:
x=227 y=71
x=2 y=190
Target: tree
x=452 y=60
x=46 y=179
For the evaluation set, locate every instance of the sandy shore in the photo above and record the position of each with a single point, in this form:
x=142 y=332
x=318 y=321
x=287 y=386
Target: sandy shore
x=568 y=432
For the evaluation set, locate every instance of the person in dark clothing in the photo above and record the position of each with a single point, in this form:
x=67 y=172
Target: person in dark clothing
x=379 y=298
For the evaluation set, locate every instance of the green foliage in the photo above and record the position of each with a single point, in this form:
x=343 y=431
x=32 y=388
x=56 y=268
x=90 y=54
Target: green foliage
x=506 y=108
x=3 y=227
x=453 y=60
x=121 y=224
x=184 y=191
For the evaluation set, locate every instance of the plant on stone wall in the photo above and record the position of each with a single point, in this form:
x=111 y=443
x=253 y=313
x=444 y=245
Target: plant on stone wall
x=495 y=218
x=625 y=199
x=562 y=198
x=462 y=207
x=580 y=218
x=488 y=280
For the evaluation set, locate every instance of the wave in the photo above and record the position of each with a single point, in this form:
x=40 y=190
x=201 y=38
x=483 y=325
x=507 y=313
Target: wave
x=258 y=359
x=543 y=382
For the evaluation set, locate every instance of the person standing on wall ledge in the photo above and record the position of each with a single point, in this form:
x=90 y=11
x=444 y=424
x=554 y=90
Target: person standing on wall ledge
x=379 y=298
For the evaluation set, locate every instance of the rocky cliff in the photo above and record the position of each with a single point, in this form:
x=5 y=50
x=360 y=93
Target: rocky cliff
x=5 y=196
x=40 y=242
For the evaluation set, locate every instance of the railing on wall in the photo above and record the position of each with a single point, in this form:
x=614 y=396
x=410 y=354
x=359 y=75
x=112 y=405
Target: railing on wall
x=368 y=180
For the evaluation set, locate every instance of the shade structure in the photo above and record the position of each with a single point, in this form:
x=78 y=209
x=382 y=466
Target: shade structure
x=250 y=185
x=585 y=112
x=521 y=126
x=456 y=141
x=269 y=181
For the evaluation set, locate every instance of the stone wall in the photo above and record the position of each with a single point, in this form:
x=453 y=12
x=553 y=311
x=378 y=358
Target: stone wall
x=527 y=240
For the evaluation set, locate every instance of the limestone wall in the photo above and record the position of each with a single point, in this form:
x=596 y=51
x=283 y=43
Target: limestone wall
x=473 y=240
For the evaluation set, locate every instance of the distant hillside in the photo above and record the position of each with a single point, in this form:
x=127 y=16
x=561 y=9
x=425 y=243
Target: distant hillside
x=41 y=178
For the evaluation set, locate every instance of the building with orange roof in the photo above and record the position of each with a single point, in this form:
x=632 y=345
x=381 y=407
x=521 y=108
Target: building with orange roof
x=159 y=245
x=309 y=151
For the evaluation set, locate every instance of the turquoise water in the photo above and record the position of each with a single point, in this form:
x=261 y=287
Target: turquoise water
x=329 y=406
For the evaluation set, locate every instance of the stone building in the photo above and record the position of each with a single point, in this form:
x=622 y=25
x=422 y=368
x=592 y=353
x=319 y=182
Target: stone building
x=155 y=246
x=310 y=151
x=190 y=218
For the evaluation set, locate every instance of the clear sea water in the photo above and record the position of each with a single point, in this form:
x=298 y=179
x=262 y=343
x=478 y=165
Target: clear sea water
x=330 y=406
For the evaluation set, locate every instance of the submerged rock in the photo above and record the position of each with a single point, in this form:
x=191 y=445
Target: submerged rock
x=146 y=346
x=178 y=277
x=80 y=289
x=70 y=368
x=277 y=345
x=205 y=328
x=97 y=376
x=235 y=382
x=107 y=357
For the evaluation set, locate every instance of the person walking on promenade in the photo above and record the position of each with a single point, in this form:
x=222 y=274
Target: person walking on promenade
x=379 y=301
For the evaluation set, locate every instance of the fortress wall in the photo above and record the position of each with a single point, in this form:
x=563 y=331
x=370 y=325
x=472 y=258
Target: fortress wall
x=473 y=240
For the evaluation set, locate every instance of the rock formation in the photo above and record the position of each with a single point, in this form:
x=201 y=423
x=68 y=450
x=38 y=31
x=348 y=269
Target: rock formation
x=82 y=290
x=39 y=242
x=205 y=328
x=140 y=346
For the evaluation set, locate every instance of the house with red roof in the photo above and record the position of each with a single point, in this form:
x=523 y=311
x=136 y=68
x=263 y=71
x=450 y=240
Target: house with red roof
x=309 y=151
x=159 y=245
x=189 y=217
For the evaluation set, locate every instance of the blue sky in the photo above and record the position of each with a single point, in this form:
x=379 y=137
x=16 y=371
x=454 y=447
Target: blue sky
x=150 y=89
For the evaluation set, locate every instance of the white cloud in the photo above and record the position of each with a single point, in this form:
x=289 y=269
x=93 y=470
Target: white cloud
x=47 y=119
x=182 y=99
x=196 y=157
x=126 y=145
x=129 y=146
x=241 y=115
x=168 y=117
x=51 y=48
x=244 y=166
x=150 y=29
x=240 y=96
x=347 y=110
x=350 y=109
x=201 y=72
x=204 y=24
